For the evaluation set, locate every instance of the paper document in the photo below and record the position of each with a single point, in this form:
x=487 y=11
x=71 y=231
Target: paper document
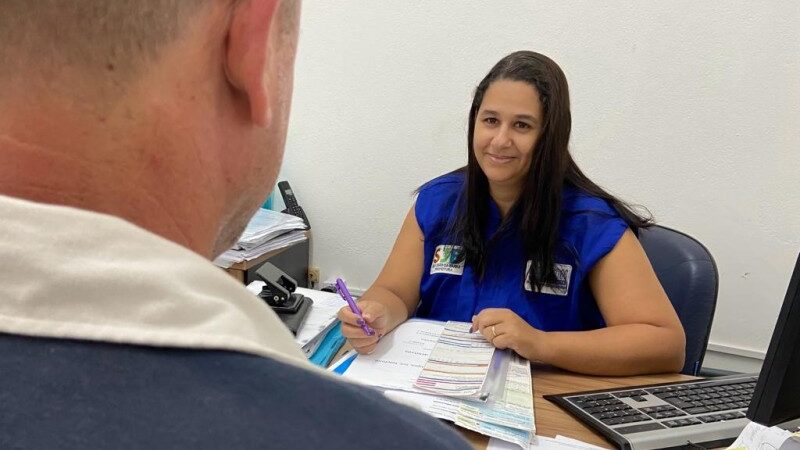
x=514 y=409
x=755 y=436
x=267 y=224
x=459 y=363
x=267 y=230
x=237 y=255
x=399 y=356
x=404 y=354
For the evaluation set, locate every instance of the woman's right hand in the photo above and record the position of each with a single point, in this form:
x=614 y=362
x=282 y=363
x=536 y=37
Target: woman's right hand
x=375 y=314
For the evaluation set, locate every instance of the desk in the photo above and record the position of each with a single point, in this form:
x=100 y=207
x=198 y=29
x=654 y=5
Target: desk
x=552 y=420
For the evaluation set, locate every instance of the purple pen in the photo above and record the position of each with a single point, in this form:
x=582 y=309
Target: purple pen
x=341 y=288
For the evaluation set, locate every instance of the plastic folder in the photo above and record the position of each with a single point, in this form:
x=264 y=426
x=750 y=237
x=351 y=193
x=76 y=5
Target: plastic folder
x=330 y=344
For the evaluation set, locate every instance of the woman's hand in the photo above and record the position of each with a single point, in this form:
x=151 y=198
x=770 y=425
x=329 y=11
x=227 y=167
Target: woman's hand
x=375 y=314
x=505 y=329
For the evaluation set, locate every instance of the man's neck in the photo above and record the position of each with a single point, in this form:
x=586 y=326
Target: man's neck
x=71 y=164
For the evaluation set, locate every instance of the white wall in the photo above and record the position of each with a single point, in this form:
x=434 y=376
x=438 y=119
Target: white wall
x=690 y=108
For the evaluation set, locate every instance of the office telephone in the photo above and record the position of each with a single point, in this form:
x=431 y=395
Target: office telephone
x=292 y=207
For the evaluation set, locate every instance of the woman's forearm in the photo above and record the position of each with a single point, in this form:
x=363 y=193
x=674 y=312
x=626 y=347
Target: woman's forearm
x=618 y=350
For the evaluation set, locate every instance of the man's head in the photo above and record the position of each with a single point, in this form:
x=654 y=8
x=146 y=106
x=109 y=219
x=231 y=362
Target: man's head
x=171 y=114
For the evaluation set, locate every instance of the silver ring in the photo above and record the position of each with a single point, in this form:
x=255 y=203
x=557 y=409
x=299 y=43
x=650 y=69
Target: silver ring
x=494 y=333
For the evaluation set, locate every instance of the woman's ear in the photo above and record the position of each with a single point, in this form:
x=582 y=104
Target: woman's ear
x=247 y=54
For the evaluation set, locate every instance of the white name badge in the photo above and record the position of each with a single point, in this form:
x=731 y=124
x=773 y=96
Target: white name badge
x=563 y=274
x=448 y=259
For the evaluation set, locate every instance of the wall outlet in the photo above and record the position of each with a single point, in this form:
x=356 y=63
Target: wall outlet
x=313 y=275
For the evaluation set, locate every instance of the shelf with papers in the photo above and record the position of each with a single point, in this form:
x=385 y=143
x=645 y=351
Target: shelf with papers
x=282 y=239
x=292 y=259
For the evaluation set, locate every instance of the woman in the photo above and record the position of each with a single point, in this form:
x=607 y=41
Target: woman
x=522 y=244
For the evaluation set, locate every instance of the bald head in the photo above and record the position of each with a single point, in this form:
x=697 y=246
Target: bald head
x=171 y=114
x=99 y=38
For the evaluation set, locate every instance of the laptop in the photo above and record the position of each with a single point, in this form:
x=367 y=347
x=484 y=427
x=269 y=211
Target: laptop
x=702 y=413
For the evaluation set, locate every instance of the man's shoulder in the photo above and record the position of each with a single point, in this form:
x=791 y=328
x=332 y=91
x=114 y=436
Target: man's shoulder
x=98 y=394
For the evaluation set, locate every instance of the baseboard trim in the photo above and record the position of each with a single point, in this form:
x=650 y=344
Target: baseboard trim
x=737 y=359
x=737 y=351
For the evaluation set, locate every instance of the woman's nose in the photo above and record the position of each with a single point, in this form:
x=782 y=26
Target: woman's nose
x=502 y=137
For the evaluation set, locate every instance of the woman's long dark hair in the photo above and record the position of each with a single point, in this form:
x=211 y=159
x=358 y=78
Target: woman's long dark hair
x=538 y=208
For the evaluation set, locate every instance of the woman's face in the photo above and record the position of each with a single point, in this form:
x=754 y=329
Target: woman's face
x=506 y=130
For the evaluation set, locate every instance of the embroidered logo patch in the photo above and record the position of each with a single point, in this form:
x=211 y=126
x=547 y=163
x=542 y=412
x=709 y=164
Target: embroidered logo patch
x=563 y=274
x=448 y=259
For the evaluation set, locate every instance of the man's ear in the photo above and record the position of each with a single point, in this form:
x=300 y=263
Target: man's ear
x=247 y=53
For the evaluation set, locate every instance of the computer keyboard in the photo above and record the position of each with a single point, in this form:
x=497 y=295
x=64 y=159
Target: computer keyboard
x=673 y=415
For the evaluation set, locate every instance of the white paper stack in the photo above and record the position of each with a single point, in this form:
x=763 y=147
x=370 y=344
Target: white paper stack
x=268 y=230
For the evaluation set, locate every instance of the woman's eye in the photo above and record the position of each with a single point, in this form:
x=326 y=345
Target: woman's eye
x=490 y=121
x=523 y=125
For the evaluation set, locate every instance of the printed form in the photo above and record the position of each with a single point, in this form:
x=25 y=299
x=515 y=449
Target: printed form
x=459 y=363
x=399 y=356
x=403 y=357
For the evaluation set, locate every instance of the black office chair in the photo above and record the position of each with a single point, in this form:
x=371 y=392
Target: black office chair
x=688 y=273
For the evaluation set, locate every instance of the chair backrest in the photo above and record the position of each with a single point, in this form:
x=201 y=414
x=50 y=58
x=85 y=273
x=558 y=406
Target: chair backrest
x=688 y=273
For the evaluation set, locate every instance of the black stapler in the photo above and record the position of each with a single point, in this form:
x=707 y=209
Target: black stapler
x=279 y=294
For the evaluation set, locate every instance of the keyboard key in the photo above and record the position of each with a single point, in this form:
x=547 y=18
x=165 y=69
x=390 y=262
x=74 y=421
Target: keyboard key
x=639 y=418
x=697 y=410
x=613 y=421
x=679 y=403
x=709 y=419
x=648 y=426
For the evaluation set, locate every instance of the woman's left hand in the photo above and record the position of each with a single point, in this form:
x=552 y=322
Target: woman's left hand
x=505 y=329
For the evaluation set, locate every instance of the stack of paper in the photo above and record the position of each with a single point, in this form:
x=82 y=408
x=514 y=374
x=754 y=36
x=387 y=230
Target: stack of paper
x=268 y=230
x=757 y=436
x=459 y=364
x=401 y=359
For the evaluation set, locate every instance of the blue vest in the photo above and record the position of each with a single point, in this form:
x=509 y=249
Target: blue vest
x=450 y=290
